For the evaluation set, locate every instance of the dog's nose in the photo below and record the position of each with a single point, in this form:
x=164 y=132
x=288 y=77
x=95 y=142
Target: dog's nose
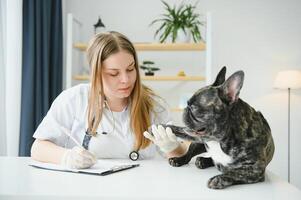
x=189 y=109
x=188 y=103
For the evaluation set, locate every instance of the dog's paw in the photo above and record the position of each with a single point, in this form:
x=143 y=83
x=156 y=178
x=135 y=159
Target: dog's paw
x=219 y=182
x=203 y=163
x=176 y=162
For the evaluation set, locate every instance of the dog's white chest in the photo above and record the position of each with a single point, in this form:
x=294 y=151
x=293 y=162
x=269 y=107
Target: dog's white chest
x=215 y=151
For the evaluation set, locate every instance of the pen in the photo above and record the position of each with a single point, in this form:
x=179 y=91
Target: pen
x=118 y=169
x=68 y=133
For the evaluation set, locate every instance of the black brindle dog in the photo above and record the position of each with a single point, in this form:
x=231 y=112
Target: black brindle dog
x=228 y=133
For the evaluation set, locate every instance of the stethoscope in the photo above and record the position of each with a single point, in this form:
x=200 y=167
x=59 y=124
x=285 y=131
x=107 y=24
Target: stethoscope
x=133 y=155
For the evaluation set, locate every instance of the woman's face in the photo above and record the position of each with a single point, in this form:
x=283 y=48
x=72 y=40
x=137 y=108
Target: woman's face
x=119 y=75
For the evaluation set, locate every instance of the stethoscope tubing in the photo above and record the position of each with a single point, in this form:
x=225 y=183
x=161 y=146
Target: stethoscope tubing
x=133 y=155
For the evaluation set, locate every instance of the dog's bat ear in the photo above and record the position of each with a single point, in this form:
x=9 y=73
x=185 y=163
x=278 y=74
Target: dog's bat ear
x=221 y=76
x=231 y=87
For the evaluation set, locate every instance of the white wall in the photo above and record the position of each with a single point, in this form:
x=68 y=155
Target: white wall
x=2 y=77
x=260 y=37
x=13 y=73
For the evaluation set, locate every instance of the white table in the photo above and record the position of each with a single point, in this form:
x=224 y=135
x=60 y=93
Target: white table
x=154 y=179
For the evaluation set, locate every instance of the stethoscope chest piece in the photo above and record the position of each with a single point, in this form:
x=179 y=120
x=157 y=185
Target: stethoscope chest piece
x=134 y=155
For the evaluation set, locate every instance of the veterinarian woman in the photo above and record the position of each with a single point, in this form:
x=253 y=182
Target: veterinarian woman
x=106 y=118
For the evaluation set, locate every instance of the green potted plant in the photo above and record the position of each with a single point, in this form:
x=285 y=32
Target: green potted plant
x=149 y=69
x=176 y=19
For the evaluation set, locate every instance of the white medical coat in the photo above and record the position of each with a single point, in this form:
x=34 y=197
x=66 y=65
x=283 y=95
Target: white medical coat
x=69 y=110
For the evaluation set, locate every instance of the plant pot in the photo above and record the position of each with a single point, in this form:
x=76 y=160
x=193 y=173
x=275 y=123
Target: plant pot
x=183 y=37
x=149 y=73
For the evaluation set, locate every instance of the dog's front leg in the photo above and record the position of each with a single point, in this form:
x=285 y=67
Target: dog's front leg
x=193 y=150
x=177 y=130
x=180 y=132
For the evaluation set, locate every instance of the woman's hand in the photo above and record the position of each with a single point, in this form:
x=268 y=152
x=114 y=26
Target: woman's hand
x=78 y=158
x=165 y=139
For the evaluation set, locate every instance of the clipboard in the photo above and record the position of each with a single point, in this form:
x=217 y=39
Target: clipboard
x=101 y=168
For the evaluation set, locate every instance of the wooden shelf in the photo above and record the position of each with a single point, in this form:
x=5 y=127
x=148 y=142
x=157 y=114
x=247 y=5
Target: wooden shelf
x=80 y=46
x=158 y=46
x=153 y=78
x=81 y=77
x=86 y=78
x=170 y=46
x=173 y=78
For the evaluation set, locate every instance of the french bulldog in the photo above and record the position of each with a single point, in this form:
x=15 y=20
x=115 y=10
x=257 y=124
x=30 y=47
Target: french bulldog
x=227 y=132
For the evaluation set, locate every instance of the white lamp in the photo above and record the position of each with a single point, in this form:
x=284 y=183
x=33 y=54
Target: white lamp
x=290 y=79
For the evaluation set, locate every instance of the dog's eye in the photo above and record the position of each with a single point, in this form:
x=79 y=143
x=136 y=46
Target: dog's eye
x=193 y=107
x=204 y=116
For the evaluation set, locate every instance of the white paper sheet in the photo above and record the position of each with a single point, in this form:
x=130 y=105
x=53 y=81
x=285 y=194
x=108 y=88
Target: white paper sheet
x=98 y=169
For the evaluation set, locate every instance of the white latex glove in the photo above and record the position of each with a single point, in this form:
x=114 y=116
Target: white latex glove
x=165 y=139
x=78 y=158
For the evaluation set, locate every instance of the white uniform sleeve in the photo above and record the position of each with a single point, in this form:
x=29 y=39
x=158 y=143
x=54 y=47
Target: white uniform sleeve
x=61 y=113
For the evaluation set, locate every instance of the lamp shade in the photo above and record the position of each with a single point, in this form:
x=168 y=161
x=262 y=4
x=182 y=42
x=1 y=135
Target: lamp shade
x=288 y=79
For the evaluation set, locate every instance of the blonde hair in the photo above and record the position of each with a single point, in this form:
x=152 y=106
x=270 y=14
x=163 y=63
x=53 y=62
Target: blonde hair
x=141 y=99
